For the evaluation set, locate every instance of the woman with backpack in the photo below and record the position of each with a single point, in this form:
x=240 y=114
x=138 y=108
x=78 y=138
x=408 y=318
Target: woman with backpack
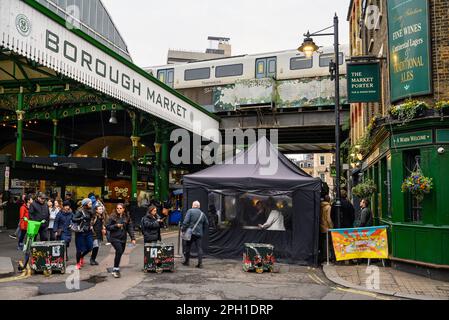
x=99 y=230
x=81 y=225
x=119 y=226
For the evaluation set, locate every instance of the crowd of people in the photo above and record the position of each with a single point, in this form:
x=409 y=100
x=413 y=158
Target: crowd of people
x=348 y=218
x=90 y=224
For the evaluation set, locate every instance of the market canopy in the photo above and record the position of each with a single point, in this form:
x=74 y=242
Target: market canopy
x=54 y=47
x=247 y=191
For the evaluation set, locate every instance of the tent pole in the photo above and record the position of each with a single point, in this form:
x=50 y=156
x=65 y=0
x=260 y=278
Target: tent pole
x=327 y=246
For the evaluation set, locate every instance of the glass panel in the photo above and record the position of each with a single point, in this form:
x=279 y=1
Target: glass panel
x=93 y=14
x=272 y=66
x=325 y=59
x=161 y=75
x=170 y=77
x=197 y=74
x=231 y=70
x=300 y=63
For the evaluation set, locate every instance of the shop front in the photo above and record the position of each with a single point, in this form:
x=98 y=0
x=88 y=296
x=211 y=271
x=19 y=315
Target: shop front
x=418 y=226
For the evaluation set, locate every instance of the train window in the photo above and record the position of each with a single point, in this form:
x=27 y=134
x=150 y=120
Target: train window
x=299 y=63
x=166 y=76
x=231 y=70
x=325 y=59
x=197 y=74
x=265 y=68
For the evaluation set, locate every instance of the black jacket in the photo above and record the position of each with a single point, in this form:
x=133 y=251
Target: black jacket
x=39 y=212
x=347 y=215
x=97 y=225
x=84 y=218
x=119 y=234
x=151 y=229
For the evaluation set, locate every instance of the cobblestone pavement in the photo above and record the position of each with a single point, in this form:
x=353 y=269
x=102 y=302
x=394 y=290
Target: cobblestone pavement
x=220 y=279
x=391 y=280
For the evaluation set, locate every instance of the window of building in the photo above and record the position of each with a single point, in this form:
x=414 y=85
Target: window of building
x=322 y=160
x=197 y=74
x=232 y=70
x=325 y=59
x=299 y=63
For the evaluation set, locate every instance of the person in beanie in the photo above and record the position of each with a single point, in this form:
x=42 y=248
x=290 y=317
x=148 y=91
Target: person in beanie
x=39 y=212
x=151 y=226
x=99 y=230
x=62 y=226
x=83 y=237
x=119 y=225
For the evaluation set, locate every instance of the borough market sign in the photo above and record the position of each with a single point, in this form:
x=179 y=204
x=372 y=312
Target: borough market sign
x=30 y=33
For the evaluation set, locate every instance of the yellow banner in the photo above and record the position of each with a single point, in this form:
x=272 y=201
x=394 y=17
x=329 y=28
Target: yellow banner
x=360 y=243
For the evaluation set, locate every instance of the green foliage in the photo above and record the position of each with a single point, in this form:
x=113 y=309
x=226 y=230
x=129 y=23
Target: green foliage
x=365 y=189
x=442 y=104
x=408 y=110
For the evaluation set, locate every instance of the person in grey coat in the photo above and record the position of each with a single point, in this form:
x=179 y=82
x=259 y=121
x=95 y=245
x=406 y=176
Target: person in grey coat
x=365 y=218
x=195 y=217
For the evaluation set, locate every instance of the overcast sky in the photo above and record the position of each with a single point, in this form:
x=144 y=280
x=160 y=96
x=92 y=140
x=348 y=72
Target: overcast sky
x=152 y=27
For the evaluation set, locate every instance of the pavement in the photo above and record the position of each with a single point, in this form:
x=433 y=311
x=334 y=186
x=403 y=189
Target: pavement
x=219 y=280
x=387 y=281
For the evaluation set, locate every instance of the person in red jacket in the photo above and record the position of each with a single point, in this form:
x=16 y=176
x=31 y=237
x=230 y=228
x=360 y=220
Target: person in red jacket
x=23 y=224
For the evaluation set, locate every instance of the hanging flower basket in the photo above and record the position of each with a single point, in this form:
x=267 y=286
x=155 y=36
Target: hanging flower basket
x=418 y=185
x=365 y=190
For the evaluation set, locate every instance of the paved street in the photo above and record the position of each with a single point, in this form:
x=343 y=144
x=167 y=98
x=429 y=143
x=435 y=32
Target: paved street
x=220 y=279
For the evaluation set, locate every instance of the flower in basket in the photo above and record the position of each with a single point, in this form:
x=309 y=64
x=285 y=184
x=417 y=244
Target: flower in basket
x=418 y=185
x=365 y=190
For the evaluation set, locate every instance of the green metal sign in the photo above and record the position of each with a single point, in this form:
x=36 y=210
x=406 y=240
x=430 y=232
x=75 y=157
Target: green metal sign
x=412 y=139
x=409 y=45
x=443 y=136
x=363 y=82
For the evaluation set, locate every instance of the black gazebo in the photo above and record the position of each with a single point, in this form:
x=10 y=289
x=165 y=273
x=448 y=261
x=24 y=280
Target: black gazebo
x=234 y=193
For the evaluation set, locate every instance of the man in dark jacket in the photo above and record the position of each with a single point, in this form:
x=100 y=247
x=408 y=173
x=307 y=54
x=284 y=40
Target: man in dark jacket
x=197 y=221
x=38 y=212
x=347 y=213
x=151 y=226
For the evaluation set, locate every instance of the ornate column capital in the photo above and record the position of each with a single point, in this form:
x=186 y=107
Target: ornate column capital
x=135 y=141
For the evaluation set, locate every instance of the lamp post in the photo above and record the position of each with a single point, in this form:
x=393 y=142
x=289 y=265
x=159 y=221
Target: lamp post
x=308 y=48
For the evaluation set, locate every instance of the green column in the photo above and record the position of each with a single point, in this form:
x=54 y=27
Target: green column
x=54 y=149
x=157 y=163
x=164 y=172
x=20 y=116
x=135 y=156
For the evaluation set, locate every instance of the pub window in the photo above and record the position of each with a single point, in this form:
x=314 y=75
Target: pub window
x=322 y=160
x=232 y=70
x=412 y=159
x=325 y=59
x=300 y=63
x=197 y=74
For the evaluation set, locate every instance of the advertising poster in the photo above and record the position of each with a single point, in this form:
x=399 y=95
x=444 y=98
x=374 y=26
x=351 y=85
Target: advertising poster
x=360 y=243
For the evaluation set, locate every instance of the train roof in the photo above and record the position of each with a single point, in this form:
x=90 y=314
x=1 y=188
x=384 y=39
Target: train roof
x=325 y=50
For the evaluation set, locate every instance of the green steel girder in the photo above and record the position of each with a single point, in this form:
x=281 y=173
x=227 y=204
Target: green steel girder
x=62 y=113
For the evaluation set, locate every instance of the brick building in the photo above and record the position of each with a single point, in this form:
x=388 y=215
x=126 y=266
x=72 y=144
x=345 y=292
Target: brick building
x=408 y=129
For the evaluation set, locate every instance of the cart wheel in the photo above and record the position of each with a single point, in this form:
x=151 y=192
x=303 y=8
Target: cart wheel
x=159 y=270
x=63 y=271
x=259 y=270
x=47 y=273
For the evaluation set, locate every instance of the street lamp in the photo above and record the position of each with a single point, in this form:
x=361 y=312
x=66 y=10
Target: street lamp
x=308 y=48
